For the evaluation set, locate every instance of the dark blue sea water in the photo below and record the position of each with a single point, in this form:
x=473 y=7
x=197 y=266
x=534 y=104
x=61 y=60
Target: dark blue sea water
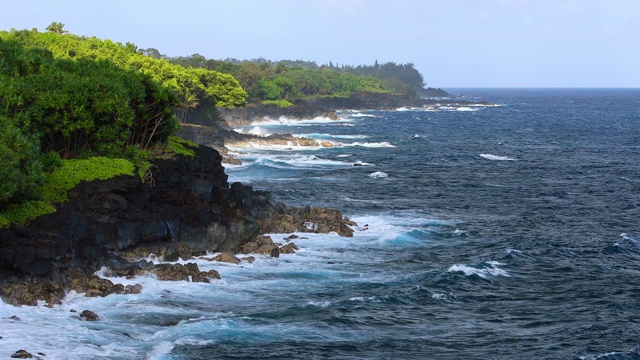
x=506 y=232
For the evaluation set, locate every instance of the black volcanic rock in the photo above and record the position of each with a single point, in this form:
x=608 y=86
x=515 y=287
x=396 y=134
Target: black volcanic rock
x=187 y=210
x=257 y=112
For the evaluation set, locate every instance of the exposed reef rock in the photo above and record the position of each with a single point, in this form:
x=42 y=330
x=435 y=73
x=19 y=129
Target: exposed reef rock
x=219 y=137
x=188 y=210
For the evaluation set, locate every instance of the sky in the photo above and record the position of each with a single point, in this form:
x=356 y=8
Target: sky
x=453 y=43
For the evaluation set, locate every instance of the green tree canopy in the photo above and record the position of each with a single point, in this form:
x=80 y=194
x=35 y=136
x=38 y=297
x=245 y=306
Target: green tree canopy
x=171 y=76
x=56 y=28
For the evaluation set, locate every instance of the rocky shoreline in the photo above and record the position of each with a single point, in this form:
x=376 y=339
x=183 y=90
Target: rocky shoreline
x=188 y=210
x=222 y=135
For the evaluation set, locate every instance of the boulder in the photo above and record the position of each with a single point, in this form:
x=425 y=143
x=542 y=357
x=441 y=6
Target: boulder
x=174 y=272
x=92 y=286
x=29 y=292
x=188 y=272
x=227 y=258
x=290 y=248
x=22 y=354
x=88 y=315
x=133 y=289
x=249 y=259
x=262 y=245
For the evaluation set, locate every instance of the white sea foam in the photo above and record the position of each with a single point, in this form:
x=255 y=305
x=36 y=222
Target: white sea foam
x=321 y=304
x=483 y=270
x=160 y=350
x=378 y=174
x=497 y=157
x=322 y=136
x=295 y=161
x=256 y=130
x=384 y=144
x=271 y=147
x=135 y=325
x=285 y=121
x=359 y=115
x=361 y=163
x=293 y=147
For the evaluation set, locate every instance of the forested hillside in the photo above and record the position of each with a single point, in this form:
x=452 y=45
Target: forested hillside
x=65 y=96
x=290 y=81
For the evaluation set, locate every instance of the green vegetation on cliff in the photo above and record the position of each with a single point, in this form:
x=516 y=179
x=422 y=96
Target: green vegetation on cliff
x=74 y=171
x=94 y=103
x=275 y=82
x=295 y=80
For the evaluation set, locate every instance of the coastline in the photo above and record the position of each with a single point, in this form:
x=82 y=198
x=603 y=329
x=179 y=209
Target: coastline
x=113 y=232
x=188 y=210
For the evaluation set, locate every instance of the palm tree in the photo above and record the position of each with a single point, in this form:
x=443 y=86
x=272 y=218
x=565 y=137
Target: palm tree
x=56 y=28
x=188 y=102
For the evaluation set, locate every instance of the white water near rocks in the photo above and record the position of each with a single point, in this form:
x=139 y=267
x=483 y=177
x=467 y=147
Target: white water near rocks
x=508 y=232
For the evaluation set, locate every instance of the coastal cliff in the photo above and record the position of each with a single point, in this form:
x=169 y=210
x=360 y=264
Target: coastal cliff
x=187 y=209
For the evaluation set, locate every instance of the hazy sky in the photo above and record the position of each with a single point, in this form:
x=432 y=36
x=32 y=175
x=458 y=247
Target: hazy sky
x=454 y=43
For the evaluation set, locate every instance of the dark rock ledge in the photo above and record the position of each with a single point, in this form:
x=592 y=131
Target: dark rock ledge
x=190 y=210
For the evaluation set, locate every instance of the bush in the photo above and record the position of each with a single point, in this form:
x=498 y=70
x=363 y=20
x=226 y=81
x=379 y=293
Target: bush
x=177 y=145
x=20 y=167
x=24 y=212
x=72 y=172
x=278 y=103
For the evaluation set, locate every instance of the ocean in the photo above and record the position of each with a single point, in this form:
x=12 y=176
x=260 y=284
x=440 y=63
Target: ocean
x=484 y=232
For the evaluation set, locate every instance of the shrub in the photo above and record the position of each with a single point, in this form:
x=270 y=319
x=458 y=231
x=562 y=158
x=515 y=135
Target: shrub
x=278 y=103
x=72 y=172
x=20 y=166
x=23 y=212
x=177 y=145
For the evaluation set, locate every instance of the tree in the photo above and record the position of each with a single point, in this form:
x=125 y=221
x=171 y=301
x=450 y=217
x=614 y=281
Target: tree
x=20 y=167
x=188 y=102
x=154 y=53
x=249 y=78
x=281 y=68
x=56 y=28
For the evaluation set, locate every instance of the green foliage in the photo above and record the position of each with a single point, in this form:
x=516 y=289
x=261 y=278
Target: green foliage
x=399 y=78
x=312 y=80
x=73 y=171
x=83 y=105
x=177 y=145
x=50 y=161
x=56 y=28
x=23 y=212
x=286 y=80
x=268 y=90
x=21 y=170
x=141 y=159
x=278 y=103
x=98 y=95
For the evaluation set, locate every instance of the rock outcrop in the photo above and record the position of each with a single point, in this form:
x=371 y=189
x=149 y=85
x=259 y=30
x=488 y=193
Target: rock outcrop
x=258 y=112
x=219 y=137
x=88 y=315
x=22 y=354
x=188 y=210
